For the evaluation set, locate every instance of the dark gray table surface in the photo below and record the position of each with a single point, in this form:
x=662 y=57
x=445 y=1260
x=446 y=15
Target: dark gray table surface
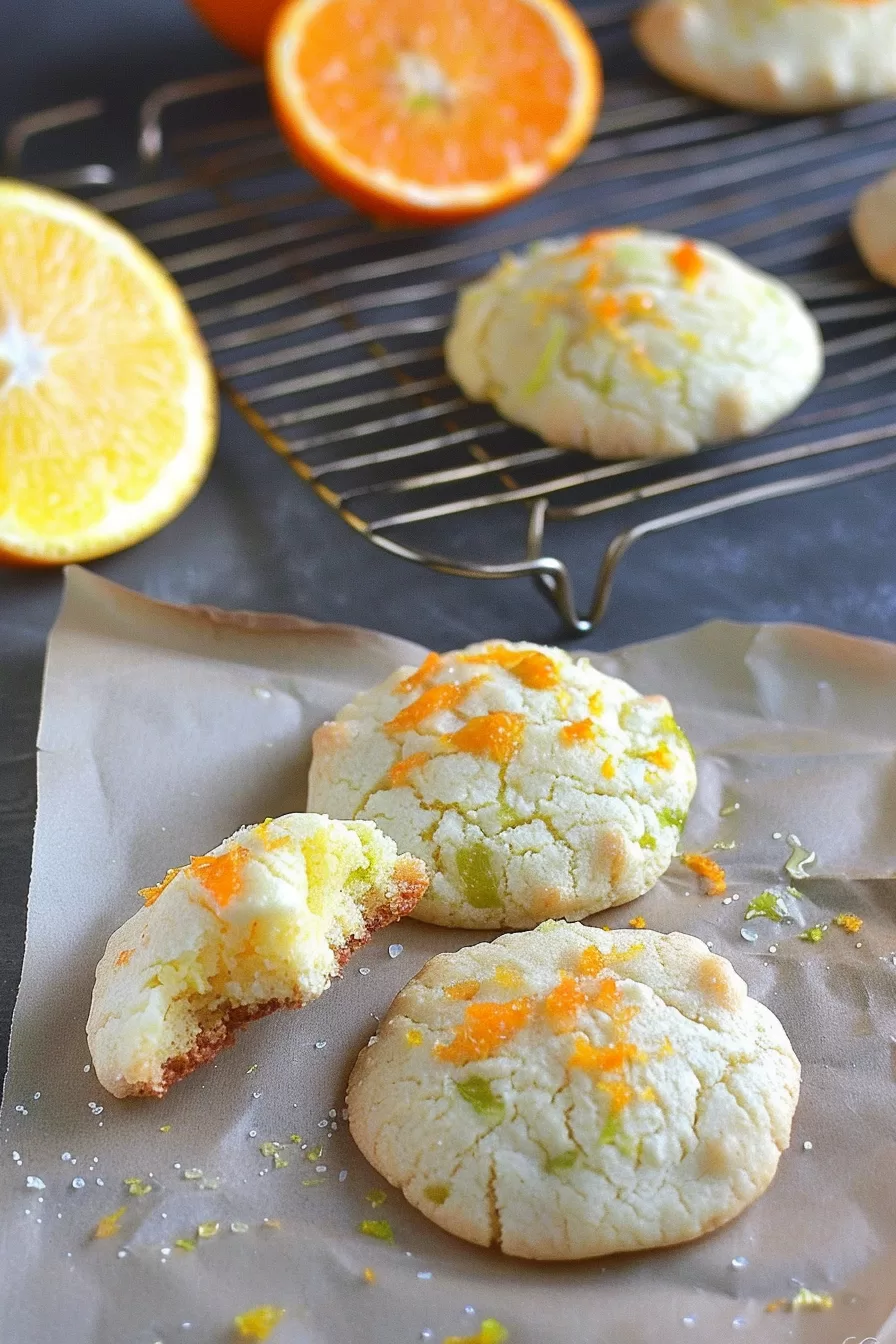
x=256 y=538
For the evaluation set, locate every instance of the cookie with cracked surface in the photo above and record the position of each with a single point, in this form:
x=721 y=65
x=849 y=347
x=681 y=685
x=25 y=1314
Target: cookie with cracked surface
x=570 y=1092
x=265 y=921
x=775 y=55
x=873 y=227
x=531 y=785
x=634 y=344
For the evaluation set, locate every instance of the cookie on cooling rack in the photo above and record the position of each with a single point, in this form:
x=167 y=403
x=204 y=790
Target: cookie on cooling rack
x=873 y=226
x=529 y=783
x=774 y=55
x=633 y=344
x=569 y=1092
x=264 y=921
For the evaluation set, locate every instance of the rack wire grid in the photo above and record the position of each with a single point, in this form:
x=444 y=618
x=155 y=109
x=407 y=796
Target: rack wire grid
x=327 y=331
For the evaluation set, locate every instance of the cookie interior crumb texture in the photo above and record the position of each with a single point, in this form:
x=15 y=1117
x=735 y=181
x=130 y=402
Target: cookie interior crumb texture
x=529 y=783
x=265 y=921
x=569 y=1092
x=777 y=55
x=627 y=343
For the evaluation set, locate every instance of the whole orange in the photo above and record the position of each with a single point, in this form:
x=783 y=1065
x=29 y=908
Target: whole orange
x=240 y=24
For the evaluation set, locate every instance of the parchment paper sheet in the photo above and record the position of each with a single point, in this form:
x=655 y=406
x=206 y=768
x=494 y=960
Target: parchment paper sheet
x=164 y=729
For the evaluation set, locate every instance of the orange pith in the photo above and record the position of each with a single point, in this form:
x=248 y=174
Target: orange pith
x=436 y=112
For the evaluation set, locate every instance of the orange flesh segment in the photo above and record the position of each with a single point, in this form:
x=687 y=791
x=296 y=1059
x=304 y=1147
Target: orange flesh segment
x=427 y=669
x=534 y=669
x=485 y=1028
x=498 y=735
x=572 y=734
x=661 y=756
x=601 y=1058
x=405 y=88
x=221 y=874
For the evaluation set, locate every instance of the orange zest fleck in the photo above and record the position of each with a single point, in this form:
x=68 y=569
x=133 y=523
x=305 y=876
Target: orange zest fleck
x=688 y=263
x=258 y=1322
x=608 y=769
x=596 y=703
x=601 y=1058
x=606 y=997
x=638 y=305
x=637 y=922
x=508 y=977
x=595 y=238
x=499 y=735
x=712 y=873
x=849 y=923
x=464 y=989
x=369 y=1275
x=151 y=894
x=221 y=874
x=608 y=309
x=485 y=1028
x=401 y=769
x=583 y=730
x=621 y=1093
x=109 y=1226
x=660 y=756
x=413 y=1036
x=534 y=669
x=427 y=669
x=124 y=956
x=436 y=699
x=591 y=961
x=563 y=1004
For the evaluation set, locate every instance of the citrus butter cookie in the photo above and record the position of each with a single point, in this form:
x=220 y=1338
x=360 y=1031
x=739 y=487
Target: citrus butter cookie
x=568 y=1092
x=633 y=344
x=530 y=784
x=774 y=55
x=873 y=225
x=265 y=921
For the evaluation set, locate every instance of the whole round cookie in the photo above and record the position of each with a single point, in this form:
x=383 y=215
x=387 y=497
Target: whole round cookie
x=776 y=55
x=632 y=344
x=530 y=784
x=568 y=1092
x=873 y=226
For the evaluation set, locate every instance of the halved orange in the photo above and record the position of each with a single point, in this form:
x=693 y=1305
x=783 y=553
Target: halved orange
x=433 y=111
x=108 y=404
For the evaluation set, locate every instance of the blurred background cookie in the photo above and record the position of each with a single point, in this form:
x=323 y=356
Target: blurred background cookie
x=873 y=226
x=265 y=921
x=774 y=55
x=530 y=784
x=634 y=344
x=569 y=1092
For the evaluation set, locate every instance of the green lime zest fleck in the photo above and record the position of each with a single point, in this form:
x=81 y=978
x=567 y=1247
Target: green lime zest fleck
x=136 y=1186
x=675 y=733
x=613 y=1132
x=206 y=1230
x=193 y=1174
x=185 y=1244
x=268 y=1148
x=670 y=816
x=280 y=1162
x=379 y=1228
x=314 y=1180
x=164 y=1129
x=492 y=1332
x=478 y=1092
x=806 y=1300
x=251 y=1068
x=548 y=357
x=768 y=906
x=562 y=1162
x=375 y=1198
x=315 y=1154
x=295 y=1138
x=437 y=1194
x=647 y=841
x=792 y=891
x=729 y=809
x=477 y=877
x=815 y=934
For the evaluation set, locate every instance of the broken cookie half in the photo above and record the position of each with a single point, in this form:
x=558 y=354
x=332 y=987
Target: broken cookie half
x=265 y=921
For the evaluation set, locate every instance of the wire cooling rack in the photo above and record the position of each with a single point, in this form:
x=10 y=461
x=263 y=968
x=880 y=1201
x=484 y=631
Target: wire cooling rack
x=327 y=331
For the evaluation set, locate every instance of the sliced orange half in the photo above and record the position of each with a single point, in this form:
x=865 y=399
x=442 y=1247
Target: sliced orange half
x=433 y=111
x=108 y=404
